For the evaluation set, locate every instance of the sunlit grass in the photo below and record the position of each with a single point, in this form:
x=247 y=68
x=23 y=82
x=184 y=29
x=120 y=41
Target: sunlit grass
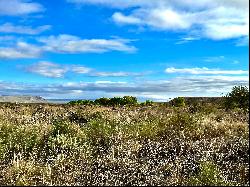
x=149 y=145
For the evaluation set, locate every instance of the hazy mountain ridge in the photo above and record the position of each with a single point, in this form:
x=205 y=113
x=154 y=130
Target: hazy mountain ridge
x=23 y=99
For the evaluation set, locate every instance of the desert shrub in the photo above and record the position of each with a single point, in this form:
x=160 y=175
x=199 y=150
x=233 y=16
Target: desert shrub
x=178 y=102
x=209 y=175
x=81 y=102
x=102 y=101
x=62 y=127
x=99 y=134
x=77 y=118
x=24 y=173
x=115 y=101
x=183 y=121
x=129 y=100
x=147 y=103
x=18 y=139
x=237 y=98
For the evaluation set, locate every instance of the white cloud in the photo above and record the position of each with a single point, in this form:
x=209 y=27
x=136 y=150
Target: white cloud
x=19 y=7
x=214 y=59
x=47 y=69
x=204 y=70
x=67 y=44
x=80 y=69
x=21 y=50
x=121 y=19
x=116 y=74
x=10 y=28
x=117 y=3
x=156 y=90
x=53 y=70
x=187 y=39
x=217 y=20
x=73 y=44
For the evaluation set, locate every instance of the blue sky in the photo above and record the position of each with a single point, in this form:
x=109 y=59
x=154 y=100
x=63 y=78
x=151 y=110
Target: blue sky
x=151 y=49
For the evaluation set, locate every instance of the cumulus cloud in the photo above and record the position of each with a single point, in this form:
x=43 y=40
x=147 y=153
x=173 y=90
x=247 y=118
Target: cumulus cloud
x=204 y=70
x=19 y=7
x=217 y=20
x=10 y=28
x=157 y=90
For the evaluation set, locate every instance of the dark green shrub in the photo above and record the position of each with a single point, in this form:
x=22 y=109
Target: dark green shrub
x=115 y=101
x=81 y=102
x=102 y=101
x=178 y=102
x=61 y=127
x=129 y=100
x=147 y=103
x=237 y=98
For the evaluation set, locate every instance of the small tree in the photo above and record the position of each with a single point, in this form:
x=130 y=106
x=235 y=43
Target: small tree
x=178 y=102
x=237 y=98
x=129 y=100
x=102 y=101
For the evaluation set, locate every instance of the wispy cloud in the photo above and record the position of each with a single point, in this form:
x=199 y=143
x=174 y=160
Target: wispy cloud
x=204 y=70
x=157 y=90
x=117 y=74
x=53 y=70
x=214 y=59
x=244 y=41
x=21 y=50
x=19 y=7
x=211 y=19
x=10 y=28
x=66 y=44
x=47 y=69
x=74 y=44
x=187 y=39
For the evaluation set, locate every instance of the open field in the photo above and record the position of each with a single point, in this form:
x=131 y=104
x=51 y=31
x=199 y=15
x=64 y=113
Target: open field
x=46 y=144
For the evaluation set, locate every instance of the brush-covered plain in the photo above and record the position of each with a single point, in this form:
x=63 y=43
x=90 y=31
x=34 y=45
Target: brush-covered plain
x=156 y=144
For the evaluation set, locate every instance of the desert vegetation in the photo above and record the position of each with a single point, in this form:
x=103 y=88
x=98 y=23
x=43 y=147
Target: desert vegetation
x=120 y=141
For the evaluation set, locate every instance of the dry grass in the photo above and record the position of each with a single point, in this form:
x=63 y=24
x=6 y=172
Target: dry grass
x=90 y=145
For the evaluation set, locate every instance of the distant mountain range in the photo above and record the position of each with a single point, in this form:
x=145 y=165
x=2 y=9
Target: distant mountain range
x=22 y=99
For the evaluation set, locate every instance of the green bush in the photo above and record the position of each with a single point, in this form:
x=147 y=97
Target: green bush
x=178 y=102
x=129 y=100
x=237 y=98
x=209 y=175
x=102 y=101
x=115 y=101
x=81 y=102
x=147 y=103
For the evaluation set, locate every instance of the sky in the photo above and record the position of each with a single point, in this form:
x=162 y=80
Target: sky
x=150 y=49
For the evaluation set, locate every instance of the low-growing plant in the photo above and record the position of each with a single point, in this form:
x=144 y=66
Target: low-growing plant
x=209 y=175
